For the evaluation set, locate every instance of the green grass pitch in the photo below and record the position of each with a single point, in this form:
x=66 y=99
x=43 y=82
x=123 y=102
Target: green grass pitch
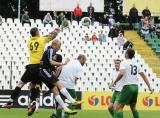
x=45 y=113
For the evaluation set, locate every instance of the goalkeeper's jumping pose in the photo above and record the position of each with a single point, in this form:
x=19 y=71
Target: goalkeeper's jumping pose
x=36 y=45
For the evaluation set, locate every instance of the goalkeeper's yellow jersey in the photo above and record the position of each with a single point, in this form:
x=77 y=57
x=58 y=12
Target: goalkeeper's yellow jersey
x=36 y=47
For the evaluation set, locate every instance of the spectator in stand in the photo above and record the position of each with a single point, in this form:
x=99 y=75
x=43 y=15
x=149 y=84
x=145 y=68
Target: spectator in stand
x=147 y=25
x=158 y=31
x=86 y=21
x=119 y=27
x=60 y=18
x=120 y=39
x=90 y=13
x=146 y=12
x=86 y=37
x=105 y=21
x=65 y=24
x=133 y=16
x=78 y=13
x=113 y=31
x=111 y=21
x=102 y=37
x=25 y=18
x=1 y=20
x=94 y=37
x=48 y=19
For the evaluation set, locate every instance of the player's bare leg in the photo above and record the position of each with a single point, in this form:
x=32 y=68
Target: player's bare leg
x=110 y=109
x=134 y=111
x=119 y=110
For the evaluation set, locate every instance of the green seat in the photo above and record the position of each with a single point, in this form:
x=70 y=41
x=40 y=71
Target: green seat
x=136 y=26
x=155 y=46
x=151 y=41
x=158 y=50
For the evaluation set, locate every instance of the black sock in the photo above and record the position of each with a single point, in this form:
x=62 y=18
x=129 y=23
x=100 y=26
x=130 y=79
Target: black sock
x=34 y=94
x=15 y=93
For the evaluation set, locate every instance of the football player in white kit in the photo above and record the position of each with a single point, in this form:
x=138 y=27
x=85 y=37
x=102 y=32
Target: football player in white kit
x=70 y=73
x=117 y=88
x=129 y=70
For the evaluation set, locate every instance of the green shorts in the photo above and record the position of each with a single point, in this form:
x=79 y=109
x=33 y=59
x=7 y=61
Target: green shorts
x=128 y=95
x=115 y=97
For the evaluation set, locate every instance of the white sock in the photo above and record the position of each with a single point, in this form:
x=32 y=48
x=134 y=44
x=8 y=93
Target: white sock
x=60 y=101
x=63 y=114
x=67 y=95
x=37 y=105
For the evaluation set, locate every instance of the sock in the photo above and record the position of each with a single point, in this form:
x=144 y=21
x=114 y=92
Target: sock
x=37 y=105
x=59 y=113
x=135 y=114
x=60 y=101
x=67 y=95
x=33 y=94
x=15 y=93
x=119 y=114
x=111 y=112
x=114 y=114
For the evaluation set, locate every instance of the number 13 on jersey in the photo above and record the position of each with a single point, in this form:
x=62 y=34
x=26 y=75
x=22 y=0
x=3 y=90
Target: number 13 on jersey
x=133 y=69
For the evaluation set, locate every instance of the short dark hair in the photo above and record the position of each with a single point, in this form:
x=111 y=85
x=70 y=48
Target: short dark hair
x=58 y=58
x=130 y=53
x=81 y=56
x=117 y=60
x=33 y=31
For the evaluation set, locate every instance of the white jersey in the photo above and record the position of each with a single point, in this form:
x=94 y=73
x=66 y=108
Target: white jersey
x=70 y=72
x=119 y=84
x=132 y=69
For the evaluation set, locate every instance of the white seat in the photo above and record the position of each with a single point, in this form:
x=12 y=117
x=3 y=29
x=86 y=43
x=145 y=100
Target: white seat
x=100 y=57
x=9 y=20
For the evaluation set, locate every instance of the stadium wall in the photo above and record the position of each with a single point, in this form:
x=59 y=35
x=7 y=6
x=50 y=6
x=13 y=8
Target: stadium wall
x=153 y=6
x=100 y=101
x=65 y=5
x=46 y=101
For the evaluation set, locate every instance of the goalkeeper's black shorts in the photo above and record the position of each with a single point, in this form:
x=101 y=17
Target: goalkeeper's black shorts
x=31 y=74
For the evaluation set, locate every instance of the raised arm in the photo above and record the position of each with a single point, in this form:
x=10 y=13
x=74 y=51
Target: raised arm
x=52 y=35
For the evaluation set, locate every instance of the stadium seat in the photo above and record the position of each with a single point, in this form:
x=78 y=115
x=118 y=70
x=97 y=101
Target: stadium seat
x=100 y=57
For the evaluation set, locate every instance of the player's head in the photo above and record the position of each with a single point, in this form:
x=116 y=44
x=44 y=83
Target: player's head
x=56 y=44
x=82 y=59
x=129 y=53
x=58 y=58
x=117 y=64
x=34 y=32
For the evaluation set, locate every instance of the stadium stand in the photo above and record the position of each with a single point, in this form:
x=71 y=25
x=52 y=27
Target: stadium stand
x=100 y=57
